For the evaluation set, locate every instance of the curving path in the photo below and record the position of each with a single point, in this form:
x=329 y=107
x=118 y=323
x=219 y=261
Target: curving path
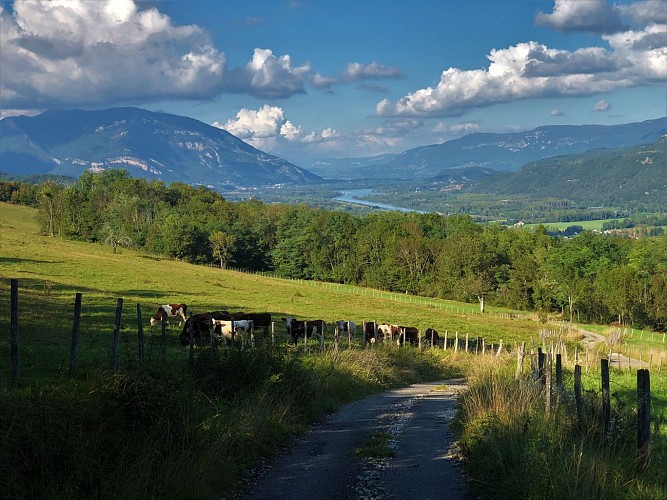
x=591 y=339
x=322 y=465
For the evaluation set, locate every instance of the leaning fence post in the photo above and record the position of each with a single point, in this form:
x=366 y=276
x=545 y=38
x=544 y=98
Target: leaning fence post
x=15 y=331
x=643 y=410
x=140 y=331
x=75 y=335
x=606 y=402
x=116 y=332
x=500 y=348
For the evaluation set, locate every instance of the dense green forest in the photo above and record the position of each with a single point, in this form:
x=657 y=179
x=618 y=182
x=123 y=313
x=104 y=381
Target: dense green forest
x=591 y=277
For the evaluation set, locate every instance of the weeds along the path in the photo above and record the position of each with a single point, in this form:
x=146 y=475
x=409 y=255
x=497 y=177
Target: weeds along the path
x=514 y=450
x=179 y=432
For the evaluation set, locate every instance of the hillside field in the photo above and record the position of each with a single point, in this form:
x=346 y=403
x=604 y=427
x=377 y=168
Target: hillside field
x=230 y=409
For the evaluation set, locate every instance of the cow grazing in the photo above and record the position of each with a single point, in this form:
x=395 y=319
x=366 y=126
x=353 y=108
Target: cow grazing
x=408 y=334
x=224 y=328
x=201 y=328
x=431 y=337
x=343 y=326
x=389 y=331
x=166 y=311
x=299 y=328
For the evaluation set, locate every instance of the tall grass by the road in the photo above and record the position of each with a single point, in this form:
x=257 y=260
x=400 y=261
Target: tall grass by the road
x=177 y=433
x=514 y=450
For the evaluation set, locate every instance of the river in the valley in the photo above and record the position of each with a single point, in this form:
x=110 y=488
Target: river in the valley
x=355 y=196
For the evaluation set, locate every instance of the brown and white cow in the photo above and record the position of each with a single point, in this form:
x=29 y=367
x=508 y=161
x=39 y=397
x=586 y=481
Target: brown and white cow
x=201 y=329
x=166 y=311
x=389 y=331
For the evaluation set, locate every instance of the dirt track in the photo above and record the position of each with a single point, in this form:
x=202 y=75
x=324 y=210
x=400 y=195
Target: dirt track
x=322 y=465
x=590 y=339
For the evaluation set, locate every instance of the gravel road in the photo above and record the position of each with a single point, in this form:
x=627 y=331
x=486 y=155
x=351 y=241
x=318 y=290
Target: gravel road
x=322 y=464
x=618 y=360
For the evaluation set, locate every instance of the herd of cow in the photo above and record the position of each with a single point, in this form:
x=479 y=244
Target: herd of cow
x=225 y=325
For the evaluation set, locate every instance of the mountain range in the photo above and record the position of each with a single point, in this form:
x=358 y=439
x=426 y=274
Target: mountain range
x=503 y=152
x=147 y=144
x=175 y=148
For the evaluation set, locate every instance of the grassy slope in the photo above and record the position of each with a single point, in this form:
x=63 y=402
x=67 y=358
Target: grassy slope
x=212 y=427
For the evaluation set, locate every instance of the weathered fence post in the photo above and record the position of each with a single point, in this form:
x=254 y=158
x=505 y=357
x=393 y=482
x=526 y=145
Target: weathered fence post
x=606 y=399
x=116 y=333
x=456 y=343
x=466 y=342
x=500 y=348
x=579 y=402
x=336 y=336
x=140 y=332
x=444 y=346
x=349 y=336
x=14 y=314
x=540 y=366
x=547 y=382
x=273 y=333
x=74 y=349
x=559 y=373
x=519 y=360
x=643 y=410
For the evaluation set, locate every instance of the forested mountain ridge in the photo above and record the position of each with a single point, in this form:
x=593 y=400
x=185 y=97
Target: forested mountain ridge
x=147 y=144
x=505 y=152
x=606 y=177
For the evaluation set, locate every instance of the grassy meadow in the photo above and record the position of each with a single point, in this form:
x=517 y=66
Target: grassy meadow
x=166 y=428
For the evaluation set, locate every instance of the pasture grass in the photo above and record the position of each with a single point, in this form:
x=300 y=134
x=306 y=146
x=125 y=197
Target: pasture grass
x=167 y=428
x=514 y=450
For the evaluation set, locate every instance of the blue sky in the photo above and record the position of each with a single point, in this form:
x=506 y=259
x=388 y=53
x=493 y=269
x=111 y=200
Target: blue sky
x=311 y=79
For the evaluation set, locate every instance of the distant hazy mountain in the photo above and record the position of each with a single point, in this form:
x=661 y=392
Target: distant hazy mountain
x=351 y=167
x=599 y=177
x=504 y=152
x=147 y=144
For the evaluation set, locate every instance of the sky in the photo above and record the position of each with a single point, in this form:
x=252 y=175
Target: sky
x=318 y=79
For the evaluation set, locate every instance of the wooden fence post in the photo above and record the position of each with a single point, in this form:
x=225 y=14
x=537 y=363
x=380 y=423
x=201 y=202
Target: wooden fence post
x=500 y=348
x=14 y=314
x=74 y=349
x=540 y=366
x=466 y=342
x=643 y=410
x=547 y=382
x=140 y=332
x=559 y=373
x=579 y=402
x=116 y=332
x=606 y=399
x=273 y=333
x=456 y=343
x=349 y=336
x=519 y=360
x=191 y=341
x=444 y=346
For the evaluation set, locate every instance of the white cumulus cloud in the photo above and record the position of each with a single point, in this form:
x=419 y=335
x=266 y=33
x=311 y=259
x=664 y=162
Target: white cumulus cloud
x=602 y=105
x=595 y=16
x=80 y=52
x=267 y=128
x=530 y=70
x=268 y=76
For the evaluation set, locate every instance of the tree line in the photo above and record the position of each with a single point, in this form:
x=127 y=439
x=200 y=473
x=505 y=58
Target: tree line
x=590 y=277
